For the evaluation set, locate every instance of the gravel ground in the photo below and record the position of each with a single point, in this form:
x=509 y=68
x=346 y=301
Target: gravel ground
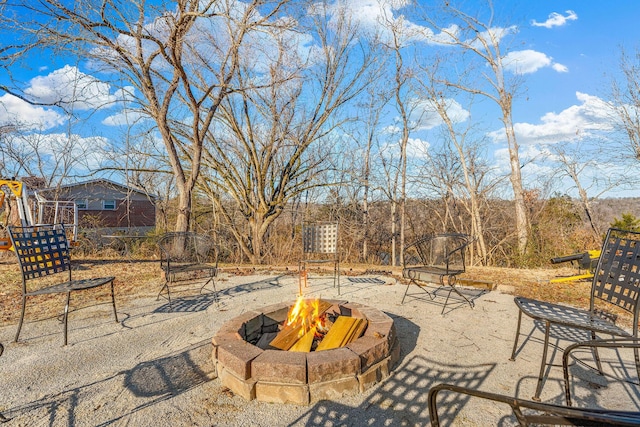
x=154 y=367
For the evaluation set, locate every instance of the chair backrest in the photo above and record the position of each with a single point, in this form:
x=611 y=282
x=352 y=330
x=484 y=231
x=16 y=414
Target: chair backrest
x=617 y=276
x=320 y=238
x=41 y=250
x=187 y=248
x=446 y=251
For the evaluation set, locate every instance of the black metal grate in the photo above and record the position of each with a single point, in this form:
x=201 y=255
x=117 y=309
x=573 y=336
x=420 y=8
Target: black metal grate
x=320 y=238
x=617 y=279
x=41 y=250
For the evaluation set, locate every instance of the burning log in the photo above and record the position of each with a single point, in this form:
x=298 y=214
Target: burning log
x=287 y=337
x=302 y=318
x=344 y=330
x=304 y=343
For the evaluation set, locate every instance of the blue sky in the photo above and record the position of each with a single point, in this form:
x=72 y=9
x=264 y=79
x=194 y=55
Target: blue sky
x=567 y=51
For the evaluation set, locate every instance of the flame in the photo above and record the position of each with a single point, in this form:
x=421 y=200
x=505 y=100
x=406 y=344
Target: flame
x=306 y=314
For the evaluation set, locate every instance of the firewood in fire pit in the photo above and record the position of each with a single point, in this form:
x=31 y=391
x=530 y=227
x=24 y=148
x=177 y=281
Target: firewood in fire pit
x=293 y=328
x=344 y=330
x=286 y=338
x=304 y=343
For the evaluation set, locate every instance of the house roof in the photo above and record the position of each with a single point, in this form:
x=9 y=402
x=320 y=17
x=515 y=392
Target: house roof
x=124 y=188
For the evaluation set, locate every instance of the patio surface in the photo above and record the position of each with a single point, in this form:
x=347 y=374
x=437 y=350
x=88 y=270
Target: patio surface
x=154 y=368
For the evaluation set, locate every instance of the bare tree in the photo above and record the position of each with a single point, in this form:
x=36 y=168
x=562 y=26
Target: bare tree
x=365 y=136
x=472 y=171
x=269 y=144
x=626 y=101
x=157 y=48
x=590 y=175
x=482 y=41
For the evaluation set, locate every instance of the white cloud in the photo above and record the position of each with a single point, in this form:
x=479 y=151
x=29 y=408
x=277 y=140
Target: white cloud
x=576 y=122
x=380 y=18
x=492 y=36
x=14 y=110
x=560 y=68
x=529 y=61
x=556 y=20
x=417 y=147
x=125 y=117
x=70 y=87
x=425 y=116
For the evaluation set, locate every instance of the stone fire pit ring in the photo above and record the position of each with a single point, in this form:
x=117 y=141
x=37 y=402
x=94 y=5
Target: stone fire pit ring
x=278 y=376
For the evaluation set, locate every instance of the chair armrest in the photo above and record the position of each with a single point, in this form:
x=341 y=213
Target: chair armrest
x=543 y=413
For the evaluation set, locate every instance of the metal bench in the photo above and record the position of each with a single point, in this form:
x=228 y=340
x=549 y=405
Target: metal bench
x=187 y=256
x=436 y=259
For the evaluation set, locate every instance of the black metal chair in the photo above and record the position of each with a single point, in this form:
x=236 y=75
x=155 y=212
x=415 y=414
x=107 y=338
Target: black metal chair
x=436 y=259
x=535 y=413
x=187 y=256
x=615 y=343
x=616 y=283
x=319 y=245
x=43 y=251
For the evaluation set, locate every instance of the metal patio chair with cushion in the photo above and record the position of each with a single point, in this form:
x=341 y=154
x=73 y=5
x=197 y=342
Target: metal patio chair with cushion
x=616 y=284
x=185 y=257
x=43 y=252
x=319 y=245
x=436 y=259
x=529 y=412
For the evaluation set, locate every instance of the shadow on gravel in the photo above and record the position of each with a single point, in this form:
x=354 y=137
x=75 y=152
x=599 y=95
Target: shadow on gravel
x=170 y=375
x=152 y=381
x=402 y=398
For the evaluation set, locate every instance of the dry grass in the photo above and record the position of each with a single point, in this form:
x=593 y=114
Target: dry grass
x=138 y=278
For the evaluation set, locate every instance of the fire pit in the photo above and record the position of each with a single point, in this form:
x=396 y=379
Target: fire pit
x=250 y=360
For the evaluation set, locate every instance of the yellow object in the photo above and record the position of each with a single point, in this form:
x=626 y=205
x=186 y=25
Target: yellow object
x=344 y=330
x=304 y=343
x=572 y=278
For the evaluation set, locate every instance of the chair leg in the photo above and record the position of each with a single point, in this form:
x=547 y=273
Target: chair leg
x=515 y=342
x=543 y=364
x=302 y=276
x=405 y=293
x=211 y=280
x=637 y=357
x=596 y=356
x=336 y=275
x=565 y=372
x=166 y=286
x=24 y=303
x=451 y=281
x=66 y=316
x=113 y=302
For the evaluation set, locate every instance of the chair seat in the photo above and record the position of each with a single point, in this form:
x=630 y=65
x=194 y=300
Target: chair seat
x=568 y=316
x=189 y=271
x=428 y=273
x=318 y=261
x=73 y=285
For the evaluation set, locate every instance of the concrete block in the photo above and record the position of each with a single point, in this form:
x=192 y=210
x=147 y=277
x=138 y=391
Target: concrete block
x=245 y=388
x=280 y=366
x=333 y=390
x=237 y=356
x=282 y=393
x=330 y=365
